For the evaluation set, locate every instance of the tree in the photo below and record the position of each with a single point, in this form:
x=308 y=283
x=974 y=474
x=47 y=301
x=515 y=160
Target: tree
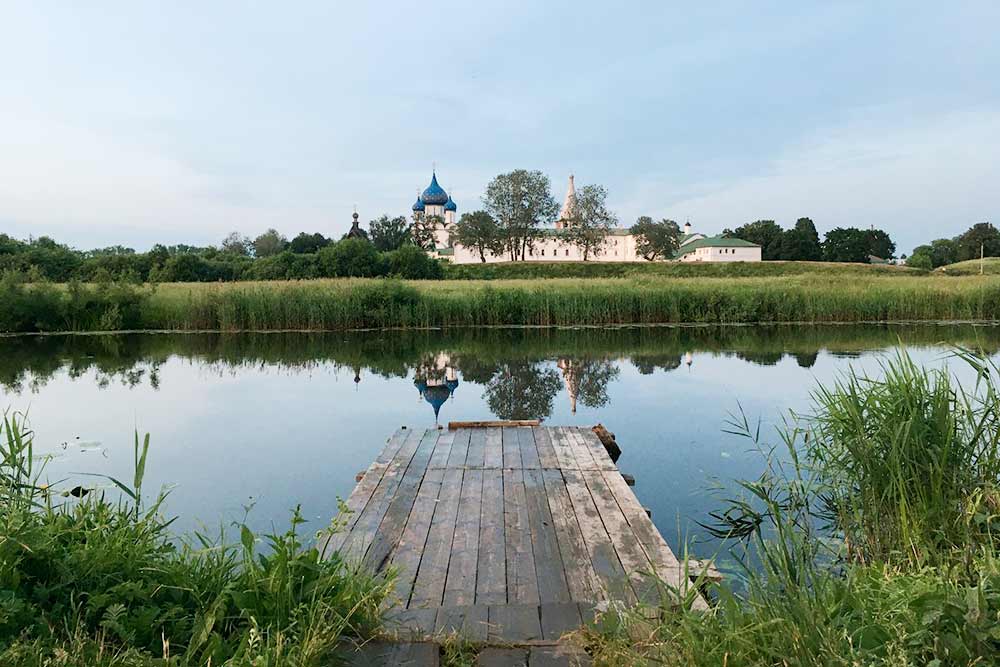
x=801 y=242
x=411 y=263
x=422 y=231
x=350 y=258
x=879 y=244
x=590 y=221
x=389 y=233
x=943 y=251
x=921 y=258
x=520 y=202
x=846 y=244
x=478 y=230
x=765 y=233
x=655 y=240
x=269 y=243
x=980 y=237
x=306 y=243
x=234 y=244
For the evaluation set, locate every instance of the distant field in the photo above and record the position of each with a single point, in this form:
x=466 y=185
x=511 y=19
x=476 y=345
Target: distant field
x=535 y=270
x=991 y=266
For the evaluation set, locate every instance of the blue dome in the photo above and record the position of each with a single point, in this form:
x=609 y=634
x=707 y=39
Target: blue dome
x=434 y=194
x=450 y=205
x=418 y=205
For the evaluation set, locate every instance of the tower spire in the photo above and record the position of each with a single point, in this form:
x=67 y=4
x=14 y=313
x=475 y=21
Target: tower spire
x=566 y=212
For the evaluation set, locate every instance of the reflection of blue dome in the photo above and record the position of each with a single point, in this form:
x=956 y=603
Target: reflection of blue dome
x=418 y=205
x=436 y=396
x=450 y=205
x=421 y=385
x=452 y=385
x=434 y=194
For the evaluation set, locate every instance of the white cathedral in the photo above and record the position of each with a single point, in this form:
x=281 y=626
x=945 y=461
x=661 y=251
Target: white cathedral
x=436 y=208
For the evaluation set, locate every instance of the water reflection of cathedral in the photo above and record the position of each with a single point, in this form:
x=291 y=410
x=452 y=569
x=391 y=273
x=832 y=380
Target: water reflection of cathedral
x=436 y=382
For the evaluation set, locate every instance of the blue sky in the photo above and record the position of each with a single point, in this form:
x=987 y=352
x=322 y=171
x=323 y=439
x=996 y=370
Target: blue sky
x=145 y=122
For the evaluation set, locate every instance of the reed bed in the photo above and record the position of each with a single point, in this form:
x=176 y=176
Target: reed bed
x=870 y=539
x=346 y=304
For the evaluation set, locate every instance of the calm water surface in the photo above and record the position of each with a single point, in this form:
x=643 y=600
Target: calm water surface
x=275 y=420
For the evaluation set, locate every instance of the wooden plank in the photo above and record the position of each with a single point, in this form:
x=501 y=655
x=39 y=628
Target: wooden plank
x=392 y=446
x=529 y=453
x=581 y=579
x=664 y=562
x=557 y=656
x=469 y=622
x=596 y=447
x=514 y=623
x=460 y=585
x=599 y=546
x=411 y=623
x=390 y=530
x=439 y=459
x=552 y=585
x=584 y=457
x=631 y=555
x=560 y=657
x=522 y=581
x=386 y=654
x=428 y=588
x=459 y=449
x=563 y=449
x=477 y=449
x=492 y=423
x=546 y=452
x=491 y=577
x=493 y=656
x=406 y=556
x=493 y=456
x=363 y=491
x=558 y=618
x=511 y=448
x=357 y=541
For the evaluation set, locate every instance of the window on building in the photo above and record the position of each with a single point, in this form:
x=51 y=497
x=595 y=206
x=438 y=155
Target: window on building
x=543 y=252
x=567 y=252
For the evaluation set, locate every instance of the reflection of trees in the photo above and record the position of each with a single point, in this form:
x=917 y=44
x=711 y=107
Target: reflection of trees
x=521 y=390
x=761 y=358
x=587 y=380
x=647 y=364
x=806 y=359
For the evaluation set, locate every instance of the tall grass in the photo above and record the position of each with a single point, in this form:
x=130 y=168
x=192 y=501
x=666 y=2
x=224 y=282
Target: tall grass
x=101 y=582
x=870 y=539
x=341 y=304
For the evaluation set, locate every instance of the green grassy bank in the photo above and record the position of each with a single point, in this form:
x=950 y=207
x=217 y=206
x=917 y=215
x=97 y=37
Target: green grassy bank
x=376 y=303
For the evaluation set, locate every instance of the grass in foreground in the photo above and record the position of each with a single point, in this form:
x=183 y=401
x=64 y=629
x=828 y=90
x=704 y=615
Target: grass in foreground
x=871 y=540
x=90 y=582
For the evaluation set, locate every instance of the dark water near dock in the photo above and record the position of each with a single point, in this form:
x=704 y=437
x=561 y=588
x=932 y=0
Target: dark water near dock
x=272 y=420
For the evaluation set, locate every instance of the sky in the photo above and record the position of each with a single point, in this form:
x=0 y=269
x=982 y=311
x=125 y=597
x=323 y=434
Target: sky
x=137 y=123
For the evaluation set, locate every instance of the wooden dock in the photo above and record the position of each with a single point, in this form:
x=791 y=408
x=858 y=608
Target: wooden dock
x=503 y=534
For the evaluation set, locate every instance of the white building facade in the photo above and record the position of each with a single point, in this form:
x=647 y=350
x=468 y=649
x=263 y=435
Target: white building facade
x=435 y=205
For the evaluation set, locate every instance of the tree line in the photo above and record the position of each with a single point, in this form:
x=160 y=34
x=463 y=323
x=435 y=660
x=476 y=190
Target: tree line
x=982 y=239
x=801 y=242
x=269 y=256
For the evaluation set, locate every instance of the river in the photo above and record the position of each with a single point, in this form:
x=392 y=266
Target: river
x=263 y=422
